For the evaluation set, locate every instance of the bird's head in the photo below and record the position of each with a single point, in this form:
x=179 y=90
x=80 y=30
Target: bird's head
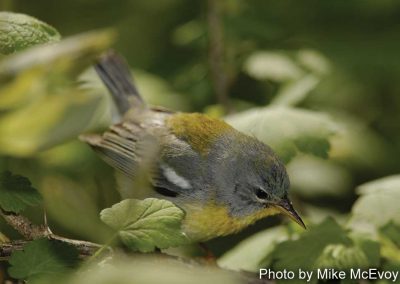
x=242 y=173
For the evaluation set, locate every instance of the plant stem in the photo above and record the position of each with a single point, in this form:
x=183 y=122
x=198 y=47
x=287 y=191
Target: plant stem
x=102 y=248
x=23 y=226
x=31 y=231
x=84 y=248
x=216 y=53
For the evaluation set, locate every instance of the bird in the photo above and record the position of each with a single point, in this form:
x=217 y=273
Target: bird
x=222 y=179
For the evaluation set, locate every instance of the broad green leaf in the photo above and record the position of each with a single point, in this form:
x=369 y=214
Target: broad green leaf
x=274 y=66
x=17 y=193
x=358 y=146
x=47 y=122
x=390 y=242
x=152 y=269
x=362 y=254
x=3 y=238
x=294 y=92
x=314 y=61
x=392 y=231
x=341 y=256
x=288 y=131
x=41 y=258
x=42 y=71
x=248 y=254
x=326 y=245
x=19 y=31
x=290 y=254
x=371 y=249
x=313 y=177
x=146 y=224
x=72 y=54
x=188 y=32
x=68 y=200
x=378 y=204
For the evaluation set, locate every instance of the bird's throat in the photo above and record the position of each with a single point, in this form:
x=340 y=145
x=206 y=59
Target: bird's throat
x=210 y=221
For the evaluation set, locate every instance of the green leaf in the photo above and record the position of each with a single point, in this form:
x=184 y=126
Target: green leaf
x=149 y=269
x=274 y=66
x=294 y=92
x=341 y=256
x=326 y=245
x=378 y=203
x=392 y=231
x=17 y=193
x=291 y=254
x=146 y=224
x=42 y=105
x=3 y=238
x=390 y=242
x=248 y=254
x=68 y=200
x=289 y=131
x=313 y=177
x=43 y=71
x=314 y=61
x=19 y=31
x=358 y=146
x=42 y=258
x=371 y=249
x=47 y=122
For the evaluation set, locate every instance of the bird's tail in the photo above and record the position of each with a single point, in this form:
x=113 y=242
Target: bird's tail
x=115 y=74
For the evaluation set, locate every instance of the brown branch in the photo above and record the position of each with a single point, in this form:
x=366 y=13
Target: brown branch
x=216 y=53
x=31 y=231
x=6 y=249
x=25 y=227
x=85 y=249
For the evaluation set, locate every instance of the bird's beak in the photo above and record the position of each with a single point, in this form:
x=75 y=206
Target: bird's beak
x=286 y=207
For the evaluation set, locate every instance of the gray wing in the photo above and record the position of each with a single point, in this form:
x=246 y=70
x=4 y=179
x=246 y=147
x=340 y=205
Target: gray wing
x=138 y=144
x=170 y=165
x=125 y=146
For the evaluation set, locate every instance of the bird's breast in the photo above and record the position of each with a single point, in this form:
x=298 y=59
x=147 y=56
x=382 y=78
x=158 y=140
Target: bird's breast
x=204 y=222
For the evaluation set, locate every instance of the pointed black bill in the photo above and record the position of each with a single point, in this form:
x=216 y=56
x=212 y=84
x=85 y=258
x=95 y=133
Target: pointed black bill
x=285 y=205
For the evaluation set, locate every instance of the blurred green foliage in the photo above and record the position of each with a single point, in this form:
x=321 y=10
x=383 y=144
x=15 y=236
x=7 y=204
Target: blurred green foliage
x=145 y=225
x=42 y=258
x=316 y=80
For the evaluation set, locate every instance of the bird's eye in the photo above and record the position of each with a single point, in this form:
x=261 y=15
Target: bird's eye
x=261 y=194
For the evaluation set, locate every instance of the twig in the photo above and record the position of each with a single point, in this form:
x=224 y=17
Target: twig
x=25 y=227
x=85 y=249
x=31 y=231
x=216 y=53
x=6 y=249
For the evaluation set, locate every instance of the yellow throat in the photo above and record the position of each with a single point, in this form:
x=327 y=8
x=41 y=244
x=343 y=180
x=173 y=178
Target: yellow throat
x=211 y=220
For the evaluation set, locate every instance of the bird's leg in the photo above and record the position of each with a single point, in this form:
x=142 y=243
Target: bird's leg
x=208 y=254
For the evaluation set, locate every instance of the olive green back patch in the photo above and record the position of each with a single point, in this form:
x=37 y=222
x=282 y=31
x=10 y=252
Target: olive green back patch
x=198 y=130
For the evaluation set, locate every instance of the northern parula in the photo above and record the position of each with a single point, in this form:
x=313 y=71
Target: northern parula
x=223 y=179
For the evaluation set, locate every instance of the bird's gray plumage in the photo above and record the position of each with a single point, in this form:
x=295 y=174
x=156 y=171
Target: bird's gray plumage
x=117 y=77
x=231 y=172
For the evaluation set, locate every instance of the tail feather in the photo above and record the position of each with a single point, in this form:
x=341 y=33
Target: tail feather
x=115 y=74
